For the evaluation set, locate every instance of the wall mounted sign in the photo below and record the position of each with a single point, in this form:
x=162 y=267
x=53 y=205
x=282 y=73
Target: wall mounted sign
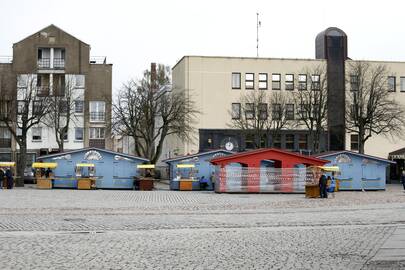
x=343 y=158
x=93 y=155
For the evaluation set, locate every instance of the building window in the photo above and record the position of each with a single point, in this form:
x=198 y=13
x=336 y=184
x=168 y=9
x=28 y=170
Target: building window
x=4 y=109
x=302 y=112
x=289 y=111
x=250 y=81
x=65 y=134
x=22 y=80
x=263 y=111
x=97 y=111
x=21 y=106
x=276 y=81
x=263 y=81
x=36 y=133
x=354 y=82
x=303 y=141
x=96 y=133
x=79 y=134
x=79 y=81
x=289 y=141
x=276 y=112
x=302 y=82
x=37 y=107
x=391 y=84
x=235 y=110
x=250 y=111
x=354 y=142
x=79 y=106
x=250 y=141
x=289 y=82
x=277 y=141
x=5 y=137
x=402 y=84
x=315 y=82
x=63 y=106
x=235 y=80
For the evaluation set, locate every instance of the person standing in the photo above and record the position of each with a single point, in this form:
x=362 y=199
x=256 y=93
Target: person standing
x=331 y=186
x=322 y=186
x=1 y=178
x=212 y=179
x=10 y=180
x=403 y=179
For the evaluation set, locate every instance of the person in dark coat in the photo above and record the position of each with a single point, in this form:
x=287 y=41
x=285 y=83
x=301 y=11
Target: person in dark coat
x=10 y=180
x=1 y=178
x=403 y=179
x=323 y=181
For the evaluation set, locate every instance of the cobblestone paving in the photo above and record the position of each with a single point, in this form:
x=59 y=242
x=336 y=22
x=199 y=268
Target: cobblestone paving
x=104 y=229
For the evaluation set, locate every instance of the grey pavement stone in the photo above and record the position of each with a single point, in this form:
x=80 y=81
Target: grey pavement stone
x=107 y=229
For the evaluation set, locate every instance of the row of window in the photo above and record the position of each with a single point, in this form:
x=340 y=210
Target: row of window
x=94 y=133
x=97 y=108
x=42 y=80
x=275 y=81
x=276 y=109
x=288 y=142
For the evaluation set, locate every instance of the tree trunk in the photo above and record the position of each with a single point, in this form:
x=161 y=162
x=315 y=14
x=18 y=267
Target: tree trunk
x=361 y=141
x=19 y=178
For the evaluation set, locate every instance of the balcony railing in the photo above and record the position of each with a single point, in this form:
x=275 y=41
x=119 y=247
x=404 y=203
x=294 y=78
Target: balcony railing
x=58 y=63
x=98 y=60
x=44 y=63
x=42 y=91
x=99 y=143
x=97 y=116
x=6 y=59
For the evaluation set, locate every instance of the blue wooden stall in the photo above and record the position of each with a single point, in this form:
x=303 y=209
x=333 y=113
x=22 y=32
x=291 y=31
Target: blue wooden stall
x=113 y=170
x=202 y=167
x=358 y=171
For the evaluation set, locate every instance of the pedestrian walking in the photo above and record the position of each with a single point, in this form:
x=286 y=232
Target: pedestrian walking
x=10 y=180
x=1 y=178
x=322 y=186
x=403 y=179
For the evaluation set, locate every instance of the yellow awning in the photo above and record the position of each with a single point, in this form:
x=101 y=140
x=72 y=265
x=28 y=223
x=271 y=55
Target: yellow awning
x=85 y=165
x=330 y=168
x=146 y=166
x=51 y=165
x=185 y=165
x=7 y=164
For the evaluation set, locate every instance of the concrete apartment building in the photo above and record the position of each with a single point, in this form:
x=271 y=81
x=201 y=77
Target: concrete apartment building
x=216 y=83
x=52 y=59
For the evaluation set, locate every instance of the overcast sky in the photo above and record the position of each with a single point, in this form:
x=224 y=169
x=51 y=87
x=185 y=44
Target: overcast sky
x=132 y=34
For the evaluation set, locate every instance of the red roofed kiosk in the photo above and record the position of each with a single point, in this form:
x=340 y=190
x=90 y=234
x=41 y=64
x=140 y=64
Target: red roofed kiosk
x=264 y=170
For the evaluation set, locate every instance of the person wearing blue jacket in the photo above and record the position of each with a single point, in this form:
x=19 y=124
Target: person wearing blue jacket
x=10 y=180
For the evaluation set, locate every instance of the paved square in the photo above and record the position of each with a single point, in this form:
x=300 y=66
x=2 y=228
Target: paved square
x=106 y=229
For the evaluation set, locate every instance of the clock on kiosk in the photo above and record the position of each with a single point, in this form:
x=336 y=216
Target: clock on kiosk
x=229 y=144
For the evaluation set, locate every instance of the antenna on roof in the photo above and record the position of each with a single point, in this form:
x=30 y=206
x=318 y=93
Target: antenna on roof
x=258 y=24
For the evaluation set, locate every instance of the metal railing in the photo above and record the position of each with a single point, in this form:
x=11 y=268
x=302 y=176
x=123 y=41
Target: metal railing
x=58 y=63
x=5 y=143
x=97 y=116
x=98 y=60
x=42 y=91
x=44 y=63
x=6 y=59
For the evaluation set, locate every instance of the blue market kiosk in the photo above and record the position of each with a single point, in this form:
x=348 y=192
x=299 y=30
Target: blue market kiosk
x=358 y=171
x=186 y=171
x=113 y=170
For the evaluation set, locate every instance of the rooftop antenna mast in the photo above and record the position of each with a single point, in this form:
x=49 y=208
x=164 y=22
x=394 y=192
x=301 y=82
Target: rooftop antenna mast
x=258 y=24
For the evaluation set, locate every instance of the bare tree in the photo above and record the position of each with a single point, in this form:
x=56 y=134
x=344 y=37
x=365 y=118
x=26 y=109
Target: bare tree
x=61 y=108
x=23 y=113
x=371 y=109
x=311 y=103
x=148 y=110
x=259 y=114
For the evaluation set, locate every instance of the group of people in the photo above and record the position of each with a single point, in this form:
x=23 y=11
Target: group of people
x=204 y=182
x=8 y=177
x=327 y=185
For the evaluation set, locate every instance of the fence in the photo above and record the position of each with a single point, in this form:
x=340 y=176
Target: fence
x=254 y=180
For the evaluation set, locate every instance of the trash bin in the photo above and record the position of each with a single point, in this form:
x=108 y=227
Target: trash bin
x=312 y=191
